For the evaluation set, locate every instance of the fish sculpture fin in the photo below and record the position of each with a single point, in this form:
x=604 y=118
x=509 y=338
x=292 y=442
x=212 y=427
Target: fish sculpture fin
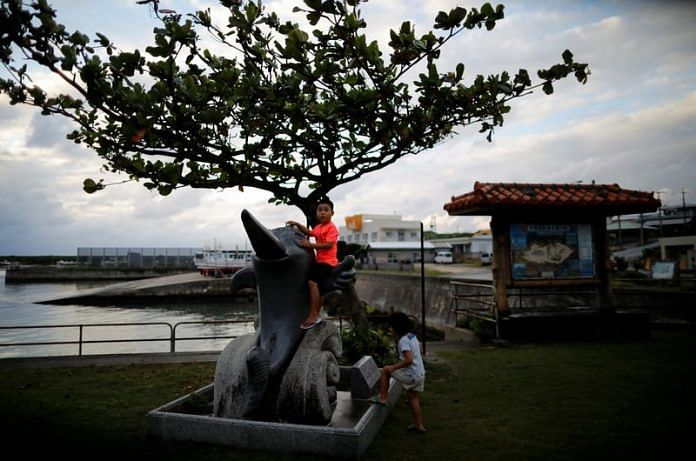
x=258 y=371
x=243 y=278
x=344 y=273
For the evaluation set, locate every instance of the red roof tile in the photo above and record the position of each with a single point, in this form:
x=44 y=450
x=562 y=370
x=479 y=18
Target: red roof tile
x=609 y=199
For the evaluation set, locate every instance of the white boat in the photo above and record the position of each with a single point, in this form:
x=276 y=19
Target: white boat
x=216 y=263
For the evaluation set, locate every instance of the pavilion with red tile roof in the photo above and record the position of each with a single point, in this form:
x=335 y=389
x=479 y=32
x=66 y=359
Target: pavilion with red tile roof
x=606 y=199
x=549 y=235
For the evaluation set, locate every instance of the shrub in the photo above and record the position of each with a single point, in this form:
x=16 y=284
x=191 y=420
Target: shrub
x=620 y=264
x=483 y=329
x=361 y=340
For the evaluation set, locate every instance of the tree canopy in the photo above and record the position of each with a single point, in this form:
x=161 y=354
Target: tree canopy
x=290 y=111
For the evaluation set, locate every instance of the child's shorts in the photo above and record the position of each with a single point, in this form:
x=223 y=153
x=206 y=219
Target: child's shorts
x=408 y=381
x=320 y=272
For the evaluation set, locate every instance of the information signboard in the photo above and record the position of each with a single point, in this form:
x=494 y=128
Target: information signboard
x=664 y=270
x=551 y=251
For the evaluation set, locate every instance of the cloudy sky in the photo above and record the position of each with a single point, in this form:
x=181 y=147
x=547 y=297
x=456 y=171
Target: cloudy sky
x=634 y=124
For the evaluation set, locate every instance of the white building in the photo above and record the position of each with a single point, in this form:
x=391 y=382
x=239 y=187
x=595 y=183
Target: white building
x=367 y=228
x=381 y=253
x=481 y=242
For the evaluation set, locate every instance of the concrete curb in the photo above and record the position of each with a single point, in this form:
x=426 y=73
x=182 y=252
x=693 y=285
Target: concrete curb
x=106 y=360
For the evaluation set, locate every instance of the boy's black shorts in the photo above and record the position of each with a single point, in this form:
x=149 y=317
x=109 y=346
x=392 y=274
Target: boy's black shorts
x=320 y=272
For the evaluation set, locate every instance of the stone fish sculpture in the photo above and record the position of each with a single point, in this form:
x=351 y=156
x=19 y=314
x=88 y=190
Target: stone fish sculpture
x=281 y=372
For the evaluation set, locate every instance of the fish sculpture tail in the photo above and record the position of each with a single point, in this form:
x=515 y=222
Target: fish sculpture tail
x=258 y=371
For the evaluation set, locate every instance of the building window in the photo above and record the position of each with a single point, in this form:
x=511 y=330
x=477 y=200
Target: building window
x=374 y=236
x=388 y=234
x=391 y=258
x=402 y=234
x=365 y=237
x=414 y=234
x=350 y=238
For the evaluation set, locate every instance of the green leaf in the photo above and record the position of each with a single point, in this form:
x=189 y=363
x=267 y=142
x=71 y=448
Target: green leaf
x=70 y=57
x=90 y=186
x=548 y=88
x=457 y=15
x=102 y=40
x=442 y=21
x=298 y=35
x=252 y=13
x=313 y=18
x=313 y=4
x=460 y=71
x=165 y=189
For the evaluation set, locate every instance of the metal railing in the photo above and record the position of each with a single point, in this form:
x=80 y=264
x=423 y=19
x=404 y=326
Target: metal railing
x=172 y=338
x=80 y=341
x=482 y=297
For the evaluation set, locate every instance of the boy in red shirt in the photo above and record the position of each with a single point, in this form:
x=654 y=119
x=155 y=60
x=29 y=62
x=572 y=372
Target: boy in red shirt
x=326 y=235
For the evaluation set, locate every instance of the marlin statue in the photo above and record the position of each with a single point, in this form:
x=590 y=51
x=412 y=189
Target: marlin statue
x=249 y=372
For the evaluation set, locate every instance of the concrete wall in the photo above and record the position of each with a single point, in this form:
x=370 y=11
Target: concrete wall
x=403 y=293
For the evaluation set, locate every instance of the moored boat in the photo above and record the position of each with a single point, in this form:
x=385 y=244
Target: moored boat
x=217 y=263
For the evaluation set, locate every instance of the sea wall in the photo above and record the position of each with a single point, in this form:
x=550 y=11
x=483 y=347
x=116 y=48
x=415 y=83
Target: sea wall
x=388 y=292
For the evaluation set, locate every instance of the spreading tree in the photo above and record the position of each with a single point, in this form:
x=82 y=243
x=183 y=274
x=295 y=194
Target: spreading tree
x=290 y=111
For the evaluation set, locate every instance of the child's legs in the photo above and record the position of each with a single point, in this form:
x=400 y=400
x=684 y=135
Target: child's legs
x=317 y=274
x=314 y=300
x=384 y=385
x=414 y=402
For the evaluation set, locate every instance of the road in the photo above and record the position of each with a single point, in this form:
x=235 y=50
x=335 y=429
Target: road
x=462 y=271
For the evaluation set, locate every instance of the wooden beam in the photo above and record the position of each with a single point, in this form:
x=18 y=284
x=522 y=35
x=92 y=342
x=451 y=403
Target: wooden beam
x=601 y=244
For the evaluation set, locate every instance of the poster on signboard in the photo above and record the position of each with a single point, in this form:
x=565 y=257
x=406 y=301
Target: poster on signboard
x=551 y=251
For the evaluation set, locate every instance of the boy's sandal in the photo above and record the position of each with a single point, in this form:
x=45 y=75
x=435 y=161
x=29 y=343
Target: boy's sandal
x=310 y=325
x=416 y=430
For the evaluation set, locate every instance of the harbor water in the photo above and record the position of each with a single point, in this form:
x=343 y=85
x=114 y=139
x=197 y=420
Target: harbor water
x=19 y=307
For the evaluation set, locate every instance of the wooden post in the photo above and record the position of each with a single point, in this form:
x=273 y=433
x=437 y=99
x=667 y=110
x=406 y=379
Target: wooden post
x=501 y=263
x=599 y=233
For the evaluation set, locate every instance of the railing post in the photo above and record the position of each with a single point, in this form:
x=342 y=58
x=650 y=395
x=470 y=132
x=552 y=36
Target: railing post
x=79 y=346
x=172 y=346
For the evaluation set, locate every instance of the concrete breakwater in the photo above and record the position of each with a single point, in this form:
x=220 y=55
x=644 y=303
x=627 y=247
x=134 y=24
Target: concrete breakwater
x=191 y=284
x=33 y=274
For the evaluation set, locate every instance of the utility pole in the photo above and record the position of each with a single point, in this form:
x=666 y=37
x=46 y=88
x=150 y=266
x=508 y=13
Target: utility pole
x=619 y=223
x=684 y=205
x=659 y=210
x=422 y=277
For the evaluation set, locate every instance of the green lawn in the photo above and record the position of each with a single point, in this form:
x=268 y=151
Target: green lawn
x=558 y=401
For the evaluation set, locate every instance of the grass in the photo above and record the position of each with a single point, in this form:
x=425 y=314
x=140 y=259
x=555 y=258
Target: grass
x=615 y=399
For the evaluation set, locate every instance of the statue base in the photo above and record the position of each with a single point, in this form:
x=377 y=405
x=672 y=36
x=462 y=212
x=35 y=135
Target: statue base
x=353 y=426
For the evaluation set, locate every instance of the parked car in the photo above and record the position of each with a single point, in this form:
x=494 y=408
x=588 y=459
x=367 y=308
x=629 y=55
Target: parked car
x=444 y=257
x=486 y=258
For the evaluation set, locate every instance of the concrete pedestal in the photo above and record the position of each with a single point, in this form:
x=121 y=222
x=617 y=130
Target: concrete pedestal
x=354 y=425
